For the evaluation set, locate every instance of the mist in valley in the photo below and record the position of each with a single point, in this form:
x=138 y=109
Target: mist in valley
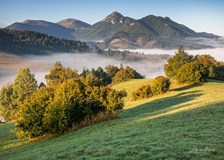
x=41 y=65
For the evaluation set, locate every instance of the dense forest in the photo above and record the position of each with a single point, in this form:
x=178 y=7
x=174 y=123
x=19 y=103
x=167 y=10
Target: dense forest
x=131 y=56
x=29 y=42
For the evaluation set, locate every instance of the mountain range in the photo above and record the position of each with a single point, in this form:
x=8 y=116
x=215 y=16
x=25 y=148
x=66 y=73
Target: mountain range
x=118 y=31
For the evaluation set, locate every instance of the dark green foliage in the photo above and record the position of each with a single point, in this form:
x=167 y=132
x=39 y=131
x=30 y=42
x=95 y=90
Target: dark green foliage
x=58 y=74
x=66 y=108
x=24 y=84
x=96 y=77
x=126 y=74
x=13 y=95
x=7 y=106
x=30 y=122
x=113 y=74
x=212 y=68
x=111 y=70
x=220 y=71
x=111 y=99
x=131 y=56
x=101 y=75
x=67 y=100
x=142 y=93
x=208 y=63
x=27 y=42
x=191 y=73
x=41 y=85
x=188 y=69
x=174 y=63
x=160 y=85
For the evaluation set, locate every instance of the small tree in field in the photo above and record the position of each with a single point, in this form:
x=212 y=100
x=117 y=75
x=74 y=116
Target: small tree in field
x=160 y=85
x=142 y=93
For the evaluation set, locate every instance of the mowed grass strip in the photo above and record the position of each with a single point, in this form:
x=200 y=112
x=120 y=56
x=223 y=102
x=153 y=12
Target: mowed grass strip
x=184 y=123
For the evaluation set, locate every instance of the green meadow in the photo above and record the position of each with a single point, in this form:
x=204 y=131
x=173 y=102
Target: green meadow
x=186 y=122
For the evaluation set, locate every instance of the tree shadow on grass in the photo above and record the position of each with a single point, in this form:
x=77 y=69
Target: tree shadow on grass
x=161 y=104
x=187 y=87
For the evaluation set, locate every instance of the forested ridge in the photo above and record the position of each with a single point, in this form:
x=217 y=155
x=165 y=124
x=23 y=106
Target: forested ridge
x=29 y=42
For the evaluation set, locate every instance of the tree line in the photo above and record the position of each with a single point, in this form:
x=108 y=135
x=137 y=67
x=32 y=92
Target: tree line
x=185 y=68
x=65 y=101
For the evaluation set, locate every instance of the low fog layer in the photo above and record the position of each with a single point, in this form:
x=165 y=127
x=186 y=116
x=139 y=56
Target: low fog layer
x=41 y=65
x=217 y=53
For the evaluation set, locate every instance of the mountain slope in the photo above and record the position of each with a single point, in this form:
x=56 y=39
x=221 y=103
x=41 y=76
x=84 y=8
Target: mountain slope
x=118 y=31
x=185 y=123
x=49 y=28
x=73 y=24
x=30 y=42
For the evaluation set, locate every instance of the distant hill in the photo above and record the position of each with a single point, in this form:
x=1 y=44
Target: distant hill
x=118 y=31
x=73 y=24
x=46 y=27
x=30 y=42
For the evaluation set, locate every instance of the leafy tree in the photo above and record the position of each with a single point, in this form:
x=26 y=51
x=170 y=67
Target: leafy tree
x=126 y=74
x=208 y=63
x=142 y=93
x=31 y=112
x=111 y=99
x=111 y=70
x=220 y=71
x=85 y=72
x=58 y=74
x=7 y=106
x=101 y=75
x=24 y=84
x=174 y=63
x=91 y=80
x=41 y=85
x=160 y=85
x=67 y=107
x=191 y=73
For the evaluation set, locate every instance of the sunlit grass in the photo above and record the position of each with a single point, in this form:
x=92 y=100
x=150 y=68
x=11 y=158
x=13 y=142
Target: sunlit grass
x=184 y=123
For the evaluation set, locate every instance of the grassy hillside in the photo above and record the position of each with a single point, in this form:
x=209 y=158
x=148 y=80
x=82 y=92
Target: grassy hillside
x=185 y=123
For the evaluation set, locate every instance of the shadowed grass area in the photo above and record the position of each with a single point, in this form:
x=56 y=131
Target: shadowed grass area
x=186 y=123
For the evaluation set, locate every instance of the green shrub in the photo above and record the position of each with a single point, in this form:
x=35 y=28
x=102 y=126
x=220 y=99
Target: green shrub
x=191 y=73
x=160 y=85
x=142 y=92
x=126 y=74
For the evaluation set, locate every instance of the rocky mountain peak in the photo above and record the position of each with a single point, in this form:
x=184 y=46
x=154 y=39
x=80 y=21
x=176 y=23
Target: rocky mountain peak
x=114 y=17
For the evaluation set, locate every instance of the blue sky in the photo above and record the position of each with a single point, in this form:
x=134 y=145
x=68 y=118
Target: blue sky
x=199 y=15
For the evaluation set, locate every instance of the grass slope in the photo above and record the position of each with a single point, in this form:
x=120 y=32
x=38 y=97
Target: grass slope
x=185 y=123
